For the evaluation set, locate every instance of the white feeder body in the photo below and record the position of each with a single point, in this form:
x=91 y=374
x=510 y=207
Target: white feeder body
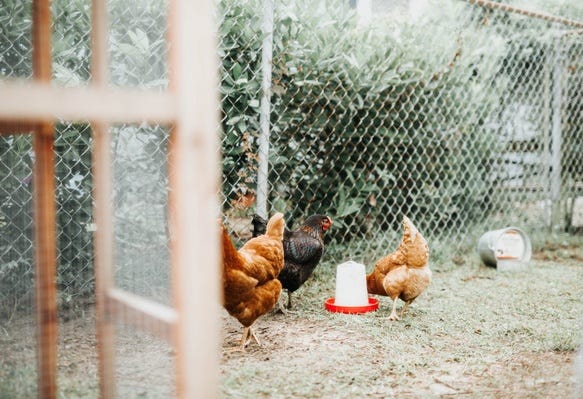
x=351 y=285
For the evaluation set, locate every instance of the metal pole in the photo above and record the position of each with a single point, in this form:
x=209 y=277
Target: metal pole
x=267 y=54
x=556 y=138
x=545 y=160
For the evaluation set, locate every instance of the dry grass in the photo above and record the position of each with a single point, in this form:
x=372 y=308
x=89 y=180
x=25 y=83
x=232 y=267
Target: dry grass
x=475 y=333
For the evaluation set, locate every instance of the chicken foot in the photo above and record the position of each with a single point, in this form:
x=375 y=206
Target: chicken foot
x=248 y=333
x=285 y=309
x=281 y=307
x=393 y=316
x=405 y=306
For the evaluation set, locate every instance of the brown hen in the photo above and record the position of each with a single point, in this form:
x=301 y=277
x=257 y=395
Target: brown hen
x=250 y=285
x=404 y=273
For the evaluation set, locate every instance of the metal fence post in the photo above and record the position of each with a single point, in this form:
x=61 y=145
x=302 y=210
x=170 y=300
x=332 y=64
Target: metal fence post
x=267 y=54
x=556 y=138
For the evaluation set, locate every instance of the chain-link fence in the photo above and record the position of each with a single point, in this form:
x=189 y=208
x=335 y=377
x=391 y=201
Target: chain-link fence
x=137 y=59
x=465 y=118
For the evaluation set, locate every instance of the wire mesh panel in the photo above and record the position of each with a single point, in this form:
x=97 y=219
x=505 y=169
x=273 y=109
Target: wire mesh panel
x=138 y=53
x=16 y=223
x=240 y=52
x=135 y=61
x=465 y=118
x=571 y=126
x=18 y=373
x=15 y=39
x=138 y=58
x=445 y=115
x=140 y=210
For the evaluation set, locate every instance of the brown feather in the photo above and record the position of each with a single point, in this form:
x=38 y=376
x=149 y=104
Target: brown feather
x=250 y=284
x=404 y=273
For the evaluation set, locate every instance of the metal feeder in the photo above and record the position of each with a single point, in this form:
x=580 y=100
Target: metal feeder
x=506 y=249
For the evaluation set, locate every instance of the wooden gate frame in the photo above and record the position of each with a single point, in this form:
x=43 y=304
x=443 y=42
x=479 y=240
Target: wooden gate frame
x=190 y=107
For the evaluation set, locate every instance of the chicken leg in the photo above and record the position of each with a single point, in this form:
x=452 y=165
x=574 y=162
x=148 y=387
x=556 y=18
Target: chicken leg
x=393 y=316
x=405 y=306
x=248 y=333
x=284 y=309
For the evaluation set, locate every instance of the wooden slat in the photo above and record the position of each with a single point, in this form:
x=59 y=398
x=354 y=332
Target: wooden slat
x=193 y=201
x=102 y=208
x=103 y=236
x=16 y=127
x=37 y=101
x=45 y=260
x=44 y=213
x=141 y=313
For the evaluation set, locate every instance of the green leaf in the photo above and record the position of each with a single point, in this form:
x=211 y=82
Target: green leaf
x=140 y=40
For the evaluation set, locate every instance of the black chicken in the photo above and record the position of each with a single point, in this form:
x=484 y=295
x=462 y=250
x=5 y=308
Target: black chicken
x=302 y=249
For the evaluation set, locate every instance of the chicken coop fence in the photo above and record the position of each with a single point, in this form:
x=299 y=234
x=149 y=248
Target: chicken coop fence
x=465 y=117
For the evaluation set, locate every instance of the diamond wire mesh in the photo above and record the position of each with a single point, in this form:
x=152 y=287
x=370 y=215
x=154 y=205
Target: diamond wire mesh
x=138 y=53
x=137 y=58
x=572 y=162
x=448 y=120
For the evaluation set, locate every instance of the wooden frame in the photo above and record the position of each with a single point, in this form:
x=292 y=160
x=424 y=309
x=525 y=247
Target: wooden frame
x=190 y=106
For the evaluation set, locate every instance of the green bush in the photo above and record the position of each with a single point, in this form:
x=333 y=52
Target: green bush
x=367 y=124
x=240 y=74
x=360 y=128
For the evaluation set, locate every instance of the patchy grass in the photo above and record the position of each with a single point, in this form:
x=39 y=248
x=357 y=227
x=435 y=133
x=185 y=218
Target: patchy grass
x=475 y=332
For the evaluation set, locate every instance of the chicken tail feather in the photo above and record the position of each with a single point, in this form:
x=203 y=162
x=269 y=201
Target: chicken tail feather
x=230 y=254
x=276 y=226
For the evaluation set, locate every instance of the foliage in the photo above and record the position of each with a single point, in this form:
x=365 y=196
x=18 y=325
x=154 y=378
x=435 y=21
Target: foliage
x=15 y=222
x=15 y=38
x=137 y=43
x=135 y=60
x=362 y=108
x=367 y=123
x=240 y=53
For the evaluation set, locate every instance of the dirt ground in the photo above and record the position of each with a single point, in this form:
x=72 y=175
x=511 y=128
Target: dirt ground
x=475 y=333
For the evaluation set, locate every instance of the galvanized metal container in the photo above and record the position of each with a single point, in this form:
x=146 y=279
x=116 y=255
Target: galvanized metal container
x=505 y=249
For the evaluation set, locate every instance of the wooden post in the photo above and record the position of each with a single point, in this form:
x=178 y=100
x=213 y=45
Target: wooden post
x=44 y=214
x=45 y=261
x=193 y=197
x=105 y=329
x=102 y=210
